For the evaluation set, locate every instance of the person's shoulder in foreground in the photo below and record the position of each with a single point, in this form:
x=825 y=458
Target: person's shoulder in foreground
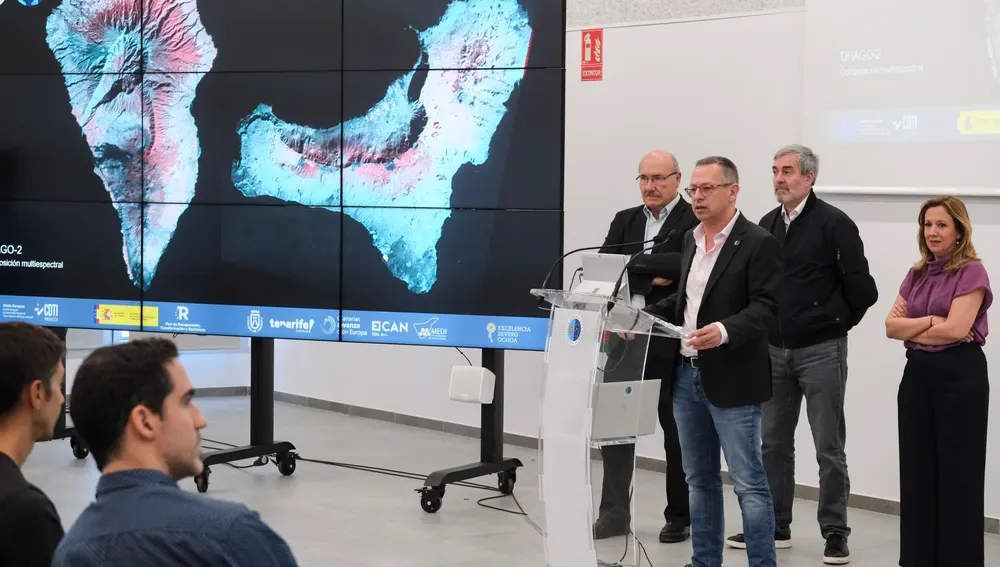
x=759 y=233
x=141 y=517
x=31 y=377
x=30 y=528
x=133 y=407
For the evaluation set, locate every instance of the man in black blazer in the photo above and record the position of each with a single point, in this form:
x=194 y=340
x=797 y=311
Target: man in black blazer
x=652 y=277
x=727 y=303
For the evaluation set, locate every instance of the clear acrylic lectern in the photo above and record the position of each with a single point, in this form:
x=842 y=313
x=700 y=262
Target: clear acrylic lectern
x=593 y=394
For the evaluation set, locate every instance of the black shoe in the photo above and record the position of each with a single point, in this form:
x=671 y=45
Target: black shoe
x=836 y=551
x=613 y=525
x=782 y=540
x=674 y=533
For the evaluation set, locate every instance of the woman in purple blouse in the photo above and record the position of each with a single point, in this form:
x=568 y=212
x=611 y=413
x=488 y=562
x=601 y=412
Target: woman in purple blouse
x=940 y=315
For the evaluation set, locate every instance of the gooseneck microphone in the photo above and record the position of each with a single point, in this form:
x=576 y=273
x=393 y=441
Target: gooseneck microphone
x=618 y=283
x=655 y=240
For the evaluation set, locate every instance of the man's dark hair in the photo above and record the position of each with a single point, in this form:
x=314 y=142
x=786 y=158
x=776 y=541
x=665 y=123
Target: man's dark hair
x=729 y=172
x=113 y=381
x=27 y=353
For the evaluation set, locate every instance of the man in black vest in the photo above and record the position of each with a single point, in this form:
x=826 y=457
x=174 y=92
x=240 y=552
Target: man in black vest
x=651 y=278
x=826 y=289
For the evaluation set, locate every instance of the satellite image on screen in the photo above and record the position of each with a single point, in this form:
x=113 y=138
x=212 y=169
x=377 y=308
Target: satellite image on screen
x=184 y=104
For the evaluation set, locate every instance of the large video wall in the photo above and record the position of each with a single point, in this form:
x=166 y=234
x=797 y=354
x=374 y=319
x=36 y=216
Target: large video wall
x=356 y=170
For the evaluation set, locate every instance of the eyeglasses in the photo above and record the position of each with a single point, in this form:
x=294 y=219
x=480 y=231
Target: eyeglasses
x=705 y=190
x=657 y=179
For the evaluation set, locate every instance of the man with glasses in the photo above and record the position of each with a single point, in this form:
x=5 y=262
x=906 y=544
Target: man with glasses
x=726 y=303
x=825 y=291
x=651 y=278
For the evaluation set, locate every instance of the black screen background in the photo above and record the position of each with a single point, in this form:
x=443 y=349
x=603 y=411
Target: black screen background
x=230 y=249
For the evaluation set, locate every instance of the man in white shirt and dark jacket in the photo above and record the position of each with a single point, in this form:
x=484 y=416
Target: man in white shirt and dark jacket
x=826 y=289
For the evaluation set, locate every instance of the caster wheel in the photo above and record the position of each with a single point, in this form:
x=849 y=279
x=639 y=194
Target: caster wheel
x=201 y=481
x=430 y=501
x=80 y=451
x=286 y=463
x=505 y=481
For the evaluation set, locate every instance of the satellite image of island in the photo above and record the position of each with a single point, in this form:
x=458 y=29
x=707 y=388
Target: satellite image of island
x=374 y=168
x=139 y=127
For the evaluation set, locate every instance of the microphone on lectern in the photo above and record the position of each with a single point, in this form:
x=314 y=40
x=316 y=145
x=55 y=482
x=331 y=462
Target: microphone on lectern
x=618 y=283
x=658 y=239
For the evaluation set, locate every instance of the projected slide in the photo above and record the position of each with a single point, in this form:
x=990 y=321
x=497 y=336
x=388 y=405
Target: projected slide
x=904 y=94
x=264 y=169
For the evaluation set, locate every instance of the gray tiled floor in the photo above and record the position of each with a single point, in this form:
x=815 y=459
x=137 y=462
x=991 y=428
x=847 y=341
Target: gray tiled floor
x=337 y=516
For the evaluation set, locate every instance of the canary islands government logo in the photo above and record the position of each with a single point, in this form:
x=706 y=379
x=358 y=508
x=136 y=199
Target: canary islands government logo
x=574 y=330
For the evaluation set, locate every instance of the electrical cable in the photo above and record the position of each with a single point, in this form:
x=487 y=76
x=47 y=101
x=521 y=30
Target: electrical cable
x=624 y=553
x=463 y=355
x=415 y=476
x=364 y=468
x=259 y=462
x=391 y=472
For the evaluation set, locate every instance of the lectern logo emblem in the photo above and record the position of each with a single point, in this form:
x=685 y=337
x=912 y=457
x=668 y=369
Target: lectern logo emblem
x=574 y=330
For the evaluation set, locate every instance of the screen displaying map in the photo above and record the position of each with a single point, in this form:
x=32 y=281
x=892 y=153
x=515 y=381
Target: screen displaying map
x=364 y=170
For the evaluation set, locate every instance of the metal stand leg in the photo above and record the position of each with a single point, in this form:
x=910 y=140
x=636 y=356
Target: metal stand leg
x=491 y=460
x=261 y=419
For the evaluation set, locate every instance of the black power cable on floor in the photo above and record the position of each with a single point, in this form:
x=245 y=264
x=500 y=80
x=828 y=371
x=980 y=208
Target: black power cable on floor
x=388 y=472
x=261 y=461
x=624 y=553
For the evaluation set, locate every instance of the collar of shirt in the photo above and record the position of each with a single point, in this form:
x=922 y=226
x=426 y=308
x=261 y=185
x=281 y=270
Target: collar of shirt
x=789 y=217
x=665 y=212
x=7 y=462
x=134 y=478
x=699 y=233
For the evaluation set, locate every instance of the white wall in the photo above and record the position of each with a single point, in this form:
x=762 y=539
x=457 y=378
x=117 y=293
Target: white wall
x=207 y=365
x=688 y=94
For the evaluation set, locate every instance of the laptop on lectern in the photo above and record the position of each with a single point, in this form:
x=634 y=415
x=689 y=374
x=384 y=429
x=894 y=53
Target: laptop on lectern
x=600 y=272
x=625 y=409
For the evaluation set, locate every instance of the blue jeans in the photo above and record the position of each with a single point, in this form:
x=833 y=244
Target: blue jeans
x=703 y=429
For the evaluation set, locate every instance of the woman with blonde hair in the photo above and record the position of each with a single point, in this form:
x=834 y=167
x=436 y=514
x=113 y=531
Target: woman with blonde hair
x=943 y=400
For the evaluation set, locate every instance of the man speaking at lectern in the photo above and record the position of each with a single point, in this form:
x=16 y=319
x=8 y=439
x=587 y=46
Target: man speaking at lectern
x=652 y=277
x=726 y=303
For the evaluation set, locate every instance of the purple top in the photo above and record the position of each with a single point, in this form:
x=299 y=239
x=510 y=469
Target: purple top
x=931 y=293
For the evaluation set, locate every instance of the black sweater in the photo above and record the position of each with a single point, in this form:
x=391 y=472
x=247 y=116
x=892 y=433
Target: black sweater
x=826 y=288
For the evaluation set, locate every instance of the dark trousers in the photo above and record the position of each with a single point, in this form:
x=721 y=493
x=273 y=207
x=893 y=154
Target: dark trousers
x=817 y=373
x=619 y=461
x=943 y=410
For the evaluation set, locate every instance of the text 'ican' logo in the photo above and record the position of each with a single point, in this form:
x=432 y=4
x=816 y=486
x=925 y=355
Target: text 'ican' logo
x=574 y=330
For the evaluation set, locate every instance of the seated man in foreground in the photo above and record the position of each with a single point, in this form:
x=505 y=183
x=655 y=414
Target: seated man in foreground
x=31 y=377
x=132 y=406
